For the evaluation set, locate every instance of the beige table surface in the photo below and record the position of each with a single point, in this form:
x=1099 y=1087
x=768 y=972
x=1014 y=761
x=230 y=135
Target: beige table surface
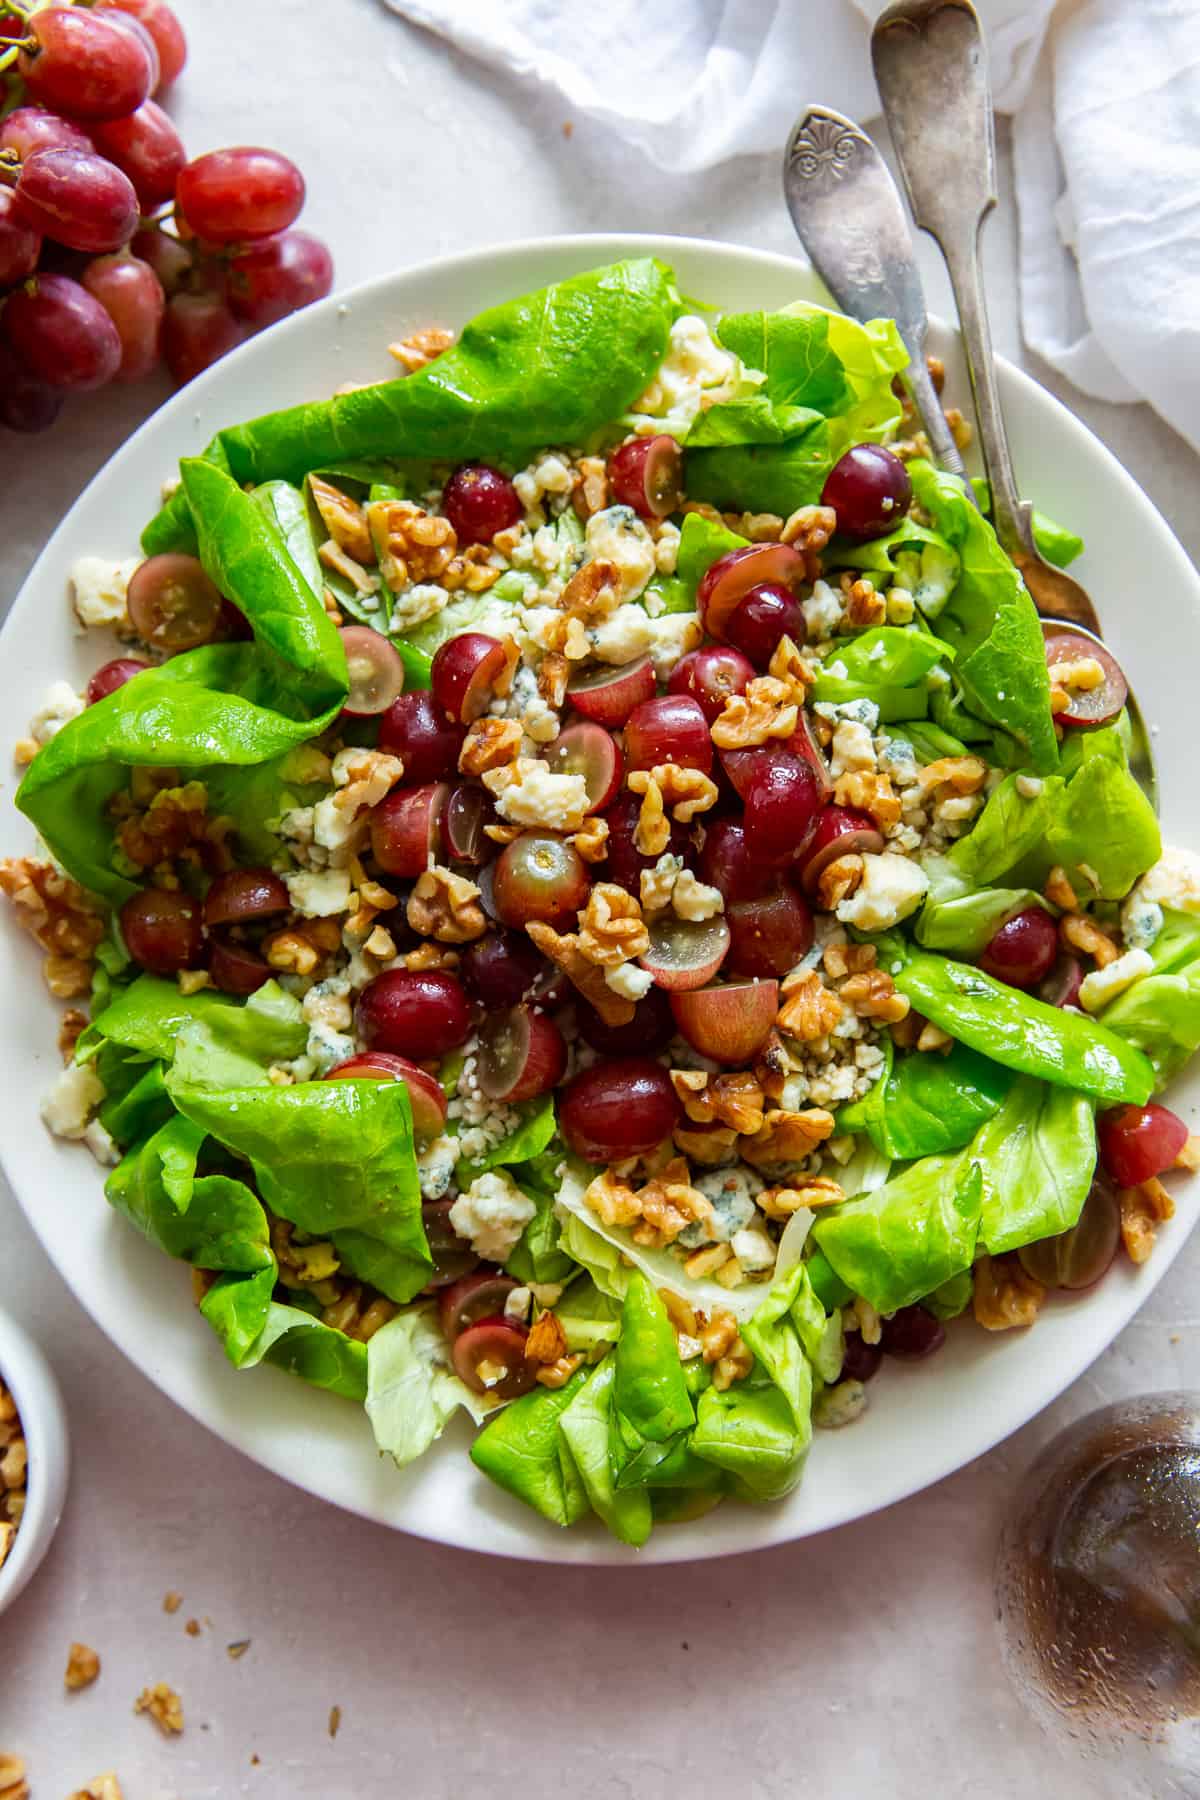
x=860 y=1663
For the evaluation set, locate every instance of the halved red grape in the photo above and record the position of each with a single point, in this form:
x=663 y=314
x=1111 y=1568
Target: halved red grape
x=26 y=404
x=911 y=1333
x=501 y=968
x=539 y=876
x=588 y=750
x=61 y=333
x=375 y=670
x=464 y=673
x=231 y=195
x=729 y=579
x=609 y=695
x=172 y=604
x=618 y=1109
x=782 y=805
x=425 y=741
x=416 y=1013
x=730 y=1023
x=479 y=501
x=1139 y=1142
x=163 y=27
x=685 y=953
x=768 y=612
x=21 y=245
x=113 y=675
x=1087 y=706
x=624 y=862
x=647 y=474
x=235 y=968
x=1079 y=1257
x=244 y=894
x=1061 y=986
x=426 y=1095
x=669 y=728
x=162 y=930
x=407 y=828
x=277 y=276
x=768 y=936
x=1024 y=949
x=839 y=831
x=709 y=676
x=521 y=1055
x=726 y=863
x=198 y=330
x=870 y=491
x=651 y=1028
x=468 y=810
x=30 y=128
x=146 y=147
x=803 y=744
x=489 y=1357
x=131 y=294
x=84 y=65
x=478 y=1296
x=453 y=1257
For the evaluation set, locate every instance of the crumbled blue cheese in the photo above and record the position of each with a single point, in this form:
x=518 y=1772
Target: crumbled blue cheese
x=1141 y=921
x=60 y=705
x=822 y=611
x=627 y=980
x=328 y=1003
x=671 y=637
x=1173 y=881
x=666 y=547
x=731 y=1192
x=319 y=893
x=695 y=365
x=625 y=635
x=695 y=900
x=1100 y=986
x=518 y=1305
x=492 y=1214
x=891 y=888
x=529 y=793
x=71 y=1099
x=435 y=1167
x=865 y=712
x=840 y=1405
x=754 y=1249
x=98 y=589
x=327 y=1048
x=423 y=600
x=102 y=1144
x=619 y=537
x=852 y=750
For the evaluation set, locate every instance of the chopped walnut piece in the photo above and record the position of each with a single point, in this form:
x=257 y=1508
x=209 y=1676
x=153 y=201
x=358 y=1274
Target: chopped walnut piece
x=870 y=793
x=962 y=774
x=1189 y=1156
x=429 y=956
x=546 y=1340
x=718 y=1334
x=734 y=1099
x=681 y=1314
x=591 y=840
x=611 y=928
x=412 y=546
x=1078 y=932
x=343 y=518
x=588 y=977
x=70 y=1028
x=786 y=1138
x=164 y=1707
x=652 y=832
x=593 y=592
x=8 y=1534
x=705 y=1262
x=932 y=1037
x=840 y=960
x=291 y=952
x=685 y=791
x=669 y=1204
x=101 y=1787
x=553 y=673
x=60 y=916
x=808 y=530
x=773 y=1066
x=83 y=1666
x=172 y=1601
x=591 y=492
x=446 y=906
x=1143 y=1210
x=612 y=1199
x=490 y=744
x=421 y=347
x=838 y=880
x=788 y=666
x=340 y=562
x=707 y=1145
x=814 y=1192
x=767 y=709
x=872 y=995
x=809 y=1010
x=864 y=604
x=760 y=528
x=13 y=1785
x=557 y=1374
x=1005 y=1296
x=1059 y=892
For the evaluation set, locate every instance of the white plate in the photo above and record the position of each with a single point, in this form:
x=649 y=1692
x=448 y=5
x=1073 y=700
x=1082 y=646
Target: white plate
x=924 y=1421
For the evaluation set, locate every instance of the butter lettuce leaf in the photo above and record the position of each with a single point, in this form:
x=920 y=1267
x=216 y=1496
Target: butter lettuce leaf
x=412 y=1391
x=522 y=1450
x=1037 y=1156
x=1160 y=1013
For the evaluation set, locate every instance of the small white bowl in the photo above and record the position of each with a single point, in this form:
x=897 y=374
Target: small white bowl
x=29 y=1379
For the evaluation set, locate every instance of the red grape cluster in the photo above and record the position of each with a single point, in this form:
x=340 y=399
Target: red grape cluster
x=115 y=250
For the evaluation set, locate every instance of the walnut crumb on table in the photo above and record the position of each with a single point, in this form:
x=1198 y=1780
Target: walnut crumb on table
x=164 y=1707
x=83 y=1666
x=172 y=1601
x=103 y=1787
x=335 y=1719
x=13 y=1785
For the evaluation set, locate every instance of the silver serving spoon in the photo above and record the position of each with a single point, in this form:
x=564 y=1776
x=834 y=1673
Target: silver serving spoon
x=851 y=220
x=931 y=69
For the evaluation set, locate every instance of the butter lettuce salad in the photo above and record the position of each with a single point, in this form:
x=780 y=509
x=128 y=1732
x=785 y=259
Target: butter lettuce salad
x=586 y=898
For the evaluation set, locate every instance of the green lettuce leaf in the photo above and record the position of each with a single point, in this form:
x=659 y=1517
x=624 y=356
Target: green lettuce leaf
x=1057 y=543
x=222 y=1040
x=521 y=1145
x=701 y=542
x=908 y=1237
x=1037 y=1156
x=210 y=1221
x=929 y=1103
x=334 y=1157
x=522 y=1450
x=588 y=1316
x=992 y=623
x=584 y=1426
x=550 y=367
x=254 y=1328
x=411 y=1389
x=1160 y=1013
x=966 y=926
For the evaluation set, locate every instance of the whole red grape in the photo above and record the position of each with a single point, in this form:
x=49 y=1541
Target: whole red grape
x=78 y=198
x=84 y=65
x=62 y=333
x=198 y=329
x=146 y=147
x=245 y=192
x=131 y=294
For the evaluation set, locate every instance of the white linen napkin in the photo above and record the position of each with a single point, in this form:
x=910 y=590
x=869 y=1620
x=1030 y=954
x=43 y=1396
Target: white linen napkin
x=1106 y=99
